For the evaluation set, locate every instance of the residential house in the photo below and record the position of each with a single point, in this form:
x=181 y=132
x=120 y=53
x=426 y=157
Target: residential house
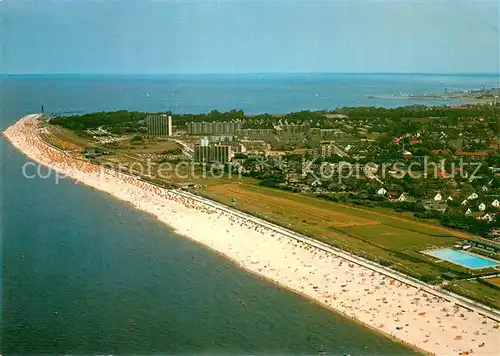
x=468 y=212
x=438 y=197
x=316 y=183
x=381 y=191
x=488 y=217
x=473 y=196
x=407 y=155
x=393 y=195
x=495 y=233
x=402 y=197
x=495 y=203
x=443 y=174
x=292 y=177
x=465 y=202
x=482 y=207
x=437 y=206
x=442 y=151
x=449 y=198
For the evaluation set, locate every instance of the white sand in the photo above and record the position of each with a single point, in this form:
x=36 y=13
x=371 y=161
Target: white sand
x=395 y=308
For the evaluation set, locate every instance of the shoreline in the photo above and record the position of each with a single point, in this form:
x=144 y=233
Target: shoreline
x=237 y=264
x=361 y=261
x=310 y=299
x=272 y=255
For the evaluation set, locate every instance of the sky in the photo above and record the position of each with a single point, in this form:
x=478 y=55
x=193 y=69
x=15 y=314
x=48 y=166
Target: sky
x=207 y=36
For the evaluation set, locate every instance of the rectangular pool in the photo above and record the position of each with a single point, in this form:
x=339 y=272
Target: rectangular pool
x=462 y=258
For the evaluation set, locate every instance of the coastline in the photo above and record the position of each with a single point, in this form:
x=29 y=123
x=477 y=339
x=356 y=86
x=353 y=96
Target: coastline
x=315 y=301
x=273 y=256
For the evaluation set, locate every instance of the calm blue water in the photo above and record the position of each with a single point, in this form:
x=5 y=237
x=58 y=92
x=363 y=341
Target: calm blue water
x=463 y=258
x=254 y=93
x=122 y=283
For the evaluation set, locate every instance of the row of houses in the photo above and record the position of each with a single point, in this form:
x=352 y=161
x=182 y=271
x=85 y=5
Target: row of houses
x=439 y=203
x=439 y=198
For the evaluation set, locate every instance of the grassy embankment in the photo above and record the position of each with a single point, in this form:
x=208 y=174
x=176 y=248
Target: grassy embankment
x=484 y=292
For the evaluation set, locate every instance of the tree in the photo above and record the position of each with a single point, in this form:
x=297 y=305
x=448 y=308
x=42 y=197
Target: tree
x=383 y=140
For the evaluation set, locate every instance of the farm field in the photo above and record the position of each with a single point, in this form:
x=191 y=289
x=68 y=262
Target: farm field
x=494 y=280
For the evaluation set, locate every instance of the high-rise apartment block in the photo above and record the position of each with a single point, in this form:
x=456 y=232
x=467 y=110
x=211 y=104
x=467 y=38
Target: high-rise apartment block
x=212 y=154
x=159 y=125
x=213 y=127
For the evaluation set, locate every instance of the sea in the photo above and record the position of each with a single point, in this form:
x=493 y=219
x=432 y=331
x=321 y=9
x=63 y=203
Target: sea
x=84 y=273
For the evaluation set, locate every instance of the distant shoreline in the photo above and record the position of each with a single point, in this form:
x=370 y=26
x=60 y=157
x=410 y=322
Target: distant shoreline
x=464 y=74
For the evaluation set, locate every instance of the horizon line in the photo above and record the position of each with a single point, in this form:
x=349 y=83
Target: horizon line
x=246 y=73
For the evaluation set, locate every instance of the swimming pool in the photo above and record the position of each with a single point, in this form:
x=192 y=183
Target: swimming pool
x=462 y=258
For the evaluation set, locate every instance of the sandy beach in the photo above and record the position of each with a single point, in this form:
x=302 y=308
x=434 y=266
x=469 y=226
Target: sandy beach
x=398 y=309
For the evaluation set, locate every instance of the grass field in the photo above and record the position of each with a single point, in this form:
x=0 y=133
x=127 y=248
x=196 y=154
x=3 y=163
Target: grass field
x=145 y=146
x=65 y=140
x=477 y=291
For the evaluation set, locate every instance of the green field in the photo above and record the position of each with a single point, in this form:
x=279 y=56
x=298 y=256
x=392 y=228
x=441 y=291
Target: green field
x=477 y=291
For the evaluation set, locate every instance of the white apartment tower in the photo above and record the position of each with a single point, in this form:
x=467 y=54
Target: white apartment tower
x=169 y=133
x=159 y=125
